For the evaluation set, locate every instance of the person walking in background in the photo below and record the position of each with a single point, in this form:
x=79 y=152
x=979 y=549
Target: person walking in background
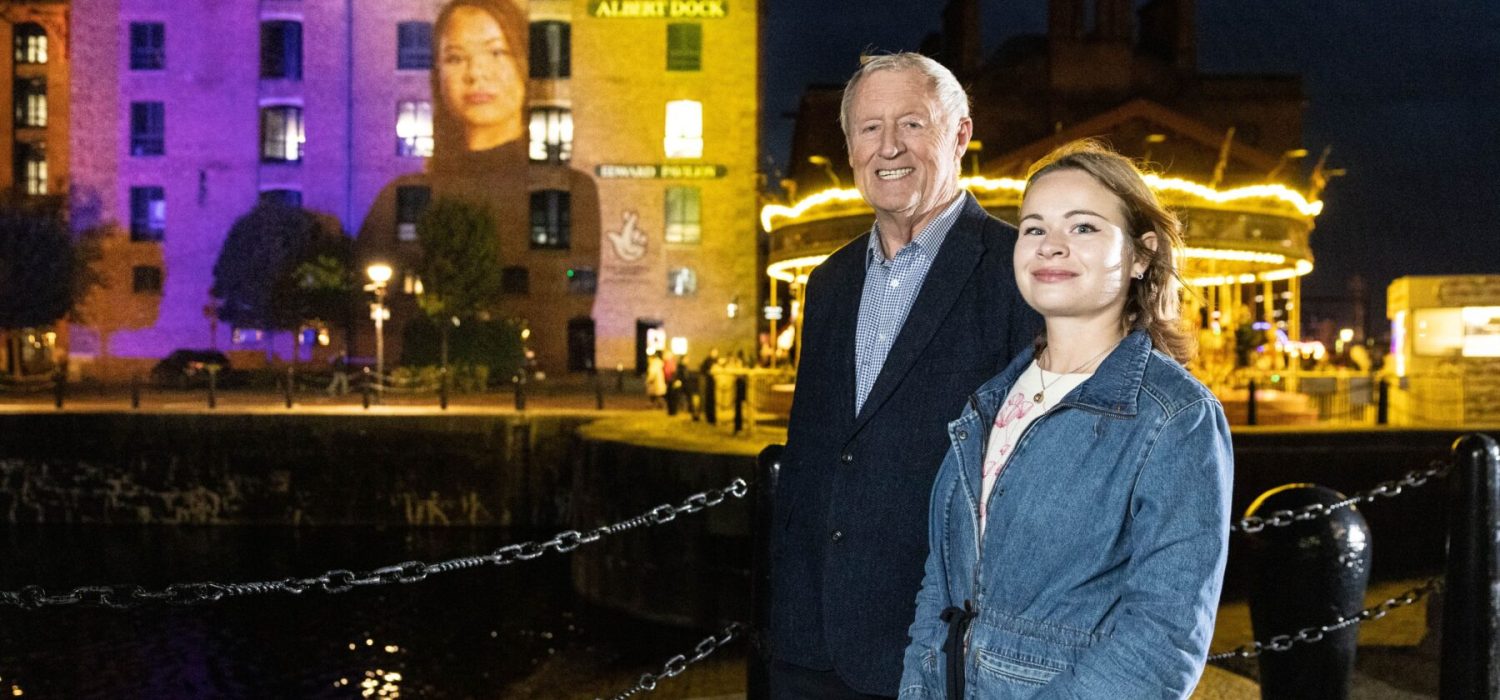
x=339 y=384
x=656 y=379
x=1080 y=522
x=899 y=326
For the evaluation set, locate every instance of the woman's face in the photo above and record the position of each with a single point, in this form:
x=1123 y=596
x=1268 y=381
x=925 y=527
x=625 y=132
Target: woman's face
x=479 y=74
x=1073 y=257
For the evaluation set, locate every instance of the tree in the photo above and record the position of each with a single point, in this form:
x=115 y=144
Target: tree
x=460 y=266
x=44 y=272
x=281 y=267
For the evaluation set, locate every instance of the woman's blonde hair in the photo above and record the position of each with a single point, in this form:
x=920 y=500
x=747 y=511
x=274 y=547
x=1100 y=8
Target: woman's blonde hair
x=1152 y=303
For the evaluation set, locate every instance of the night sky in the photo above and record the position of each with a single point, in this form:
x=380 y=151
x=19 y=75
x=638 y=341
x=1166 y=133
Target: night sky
x=1406 y=91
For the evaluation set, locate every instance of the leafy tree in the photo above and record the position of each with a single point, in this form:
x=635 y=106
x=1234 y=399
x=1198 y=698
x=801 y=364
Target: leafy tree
x=44 y=272
x=460 y=265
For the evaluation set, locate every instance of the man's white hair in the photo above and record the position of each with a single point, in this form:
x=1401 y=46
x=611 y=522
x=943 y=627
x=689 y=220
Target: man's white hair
x=944 y=86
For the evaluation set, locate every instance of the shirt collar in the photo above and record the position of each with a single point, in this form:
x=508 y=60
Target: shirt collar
x=929 y=239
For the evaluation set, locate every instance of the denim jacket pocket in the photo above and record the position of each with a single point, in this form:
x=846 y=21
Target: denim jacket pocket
x=1017 y=667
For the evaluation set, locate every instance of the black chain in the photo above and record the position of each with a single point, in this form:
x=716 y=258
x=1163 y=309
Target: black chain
x=341 y=580
x=679 y=663
x=1385 y=489
x=1309 y=635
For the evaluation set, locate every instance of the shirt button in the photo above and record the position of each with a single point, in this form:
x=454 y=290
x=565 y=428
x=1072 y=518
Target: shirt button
x=846 y=458
x=895 y=283
x=837 y=535
x=882 y=336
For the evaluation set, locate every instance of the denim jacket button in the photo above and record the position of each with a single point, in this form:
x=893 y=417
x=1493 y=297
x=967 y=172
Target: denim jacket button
x=963 y=435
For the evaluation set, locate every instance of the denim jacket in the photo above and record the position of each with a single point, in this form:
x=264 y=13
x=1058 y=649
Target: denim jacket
x=1098 y=574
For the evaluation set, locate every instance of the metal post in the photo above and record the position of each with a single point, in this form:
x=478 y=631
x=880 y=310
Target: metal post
x=758 y=661
x=1307 y=574
x=619 y=378
x=1383 y=403
x=1250 y=417
x=598 y=389
x=59 y=388
x=740 y=388
x=365 y=389
x=519 y=379
x=443 y=388
x=1470 y=659
x=135 y=391
x=213 y=386
x=710 y=398
x=291 y=378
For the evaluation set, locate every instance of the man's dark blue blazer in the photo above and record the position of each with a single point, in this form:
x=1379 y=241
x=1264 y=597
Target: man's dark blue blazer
x=850 y=527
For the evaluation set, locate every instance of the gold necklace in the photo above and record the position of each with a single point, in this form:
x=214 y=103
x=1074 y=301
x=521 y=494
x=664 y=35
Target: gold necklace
x=1042 y=375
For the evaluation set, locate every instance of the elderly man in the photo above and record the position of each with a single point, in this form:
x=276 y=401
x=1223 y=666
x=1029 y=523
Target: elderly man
x=902 y=324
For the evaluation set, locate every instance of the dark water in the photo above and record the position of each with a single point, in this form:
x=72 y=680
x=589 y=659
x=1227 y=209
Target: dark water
x=485 y=632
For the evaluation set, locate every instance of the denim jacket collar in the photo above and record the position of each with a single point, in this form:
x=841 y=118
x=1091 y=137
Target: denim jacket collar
x=1114 y=388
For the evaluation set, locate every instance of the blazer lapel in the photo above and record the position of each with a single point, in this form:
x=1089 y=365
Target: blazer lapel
x=946 y=278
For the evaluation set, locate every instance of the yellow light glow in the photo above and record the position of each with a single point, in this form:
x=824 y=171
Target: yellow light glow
x=1234 y=255
x=379 y=273
x=1174 y=185
x=795 y=269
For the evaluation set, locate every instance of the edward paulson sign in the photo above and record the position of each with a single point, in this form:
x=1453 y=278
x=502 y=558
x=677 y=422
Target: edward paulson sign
x=659 y=9
x=660 y=171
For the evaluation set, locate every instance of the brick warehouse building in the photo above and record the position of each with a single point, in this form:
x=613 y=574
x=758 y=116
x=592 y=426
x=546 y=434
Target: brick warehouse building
x=641 y=183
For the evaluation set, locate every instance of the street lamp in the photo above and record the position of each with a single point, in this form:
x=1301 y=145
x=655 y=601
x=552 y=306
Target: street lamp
x=379 y=274
x=827 y=167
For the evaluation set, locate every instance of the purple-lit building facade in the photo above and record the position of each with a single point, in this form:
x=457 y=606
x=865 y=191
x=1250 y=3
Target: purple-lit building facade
x=185 y=115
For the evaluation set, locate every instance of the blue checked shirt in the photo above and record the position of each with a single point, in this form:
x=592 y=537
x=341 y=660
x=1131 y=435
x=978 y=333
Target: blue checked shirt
x=890 y=288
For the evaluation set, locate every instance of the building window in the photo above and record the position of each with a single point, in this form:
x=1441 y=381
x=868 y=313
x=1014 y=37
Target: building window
x=684 y=46
x=281 y=134
x=682 y=281
x=414 y=46
x=411 y=202
x=551 y=49
x=684 y=214
x=281 y=49
x=684 y=129
x=148 y=46
x=31 y=167
x=515 y=280
x=285 y=198
x=414 y=128
x=31 y=102
x=145 y=279
x=551 y=134
x=31 y=43
x=148 y=128
x=551 y=219
x=148 y=214
x=582 y=280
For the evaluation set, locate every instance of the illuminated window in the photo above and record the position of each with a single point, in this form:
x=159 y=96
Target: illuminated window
x=148 y=128
x=414 y=46
x=31 y=43
x=684 y=129
x=684 y=206
x=145 y=279
x=31 y=102
x=281 y=49
x=551 y=49
x=582 y=280
x=551 y=219
x=1470 y=331
x=411 y=203
x=414 y=128
x=684 y=47
x=515 y=280
x=551 y=134
x=682 y=281
x=148 y=46
x=285 y=198
x=148 y=214
x=31 y=167
x=281 y=134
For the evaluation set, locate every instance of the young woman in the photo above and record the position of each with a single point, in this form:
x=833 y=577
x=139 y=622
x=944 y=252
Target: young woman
x=1080 y=521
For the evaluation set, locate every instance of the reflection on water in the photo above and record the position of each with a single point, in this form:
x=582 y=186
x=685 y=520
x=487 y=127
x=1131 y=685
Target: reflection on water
x=478 y=633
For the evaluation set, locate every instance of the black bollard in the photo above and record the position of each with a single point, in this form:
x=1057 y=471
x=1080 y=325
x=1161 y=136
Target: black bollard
x=1250 y=404
x=619 y=379
x=1383 y=402
x=443 y=389
x=135 y=391
x=710 y=399
x=366 y=388
x=1470 y=660
x=674 y=393
x=520 y=381
x=59 y=388
x=598 y=390
x=213 y=386
x=758 y=662
x=1307 y=574
x=741 y=387
x=291 y=378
